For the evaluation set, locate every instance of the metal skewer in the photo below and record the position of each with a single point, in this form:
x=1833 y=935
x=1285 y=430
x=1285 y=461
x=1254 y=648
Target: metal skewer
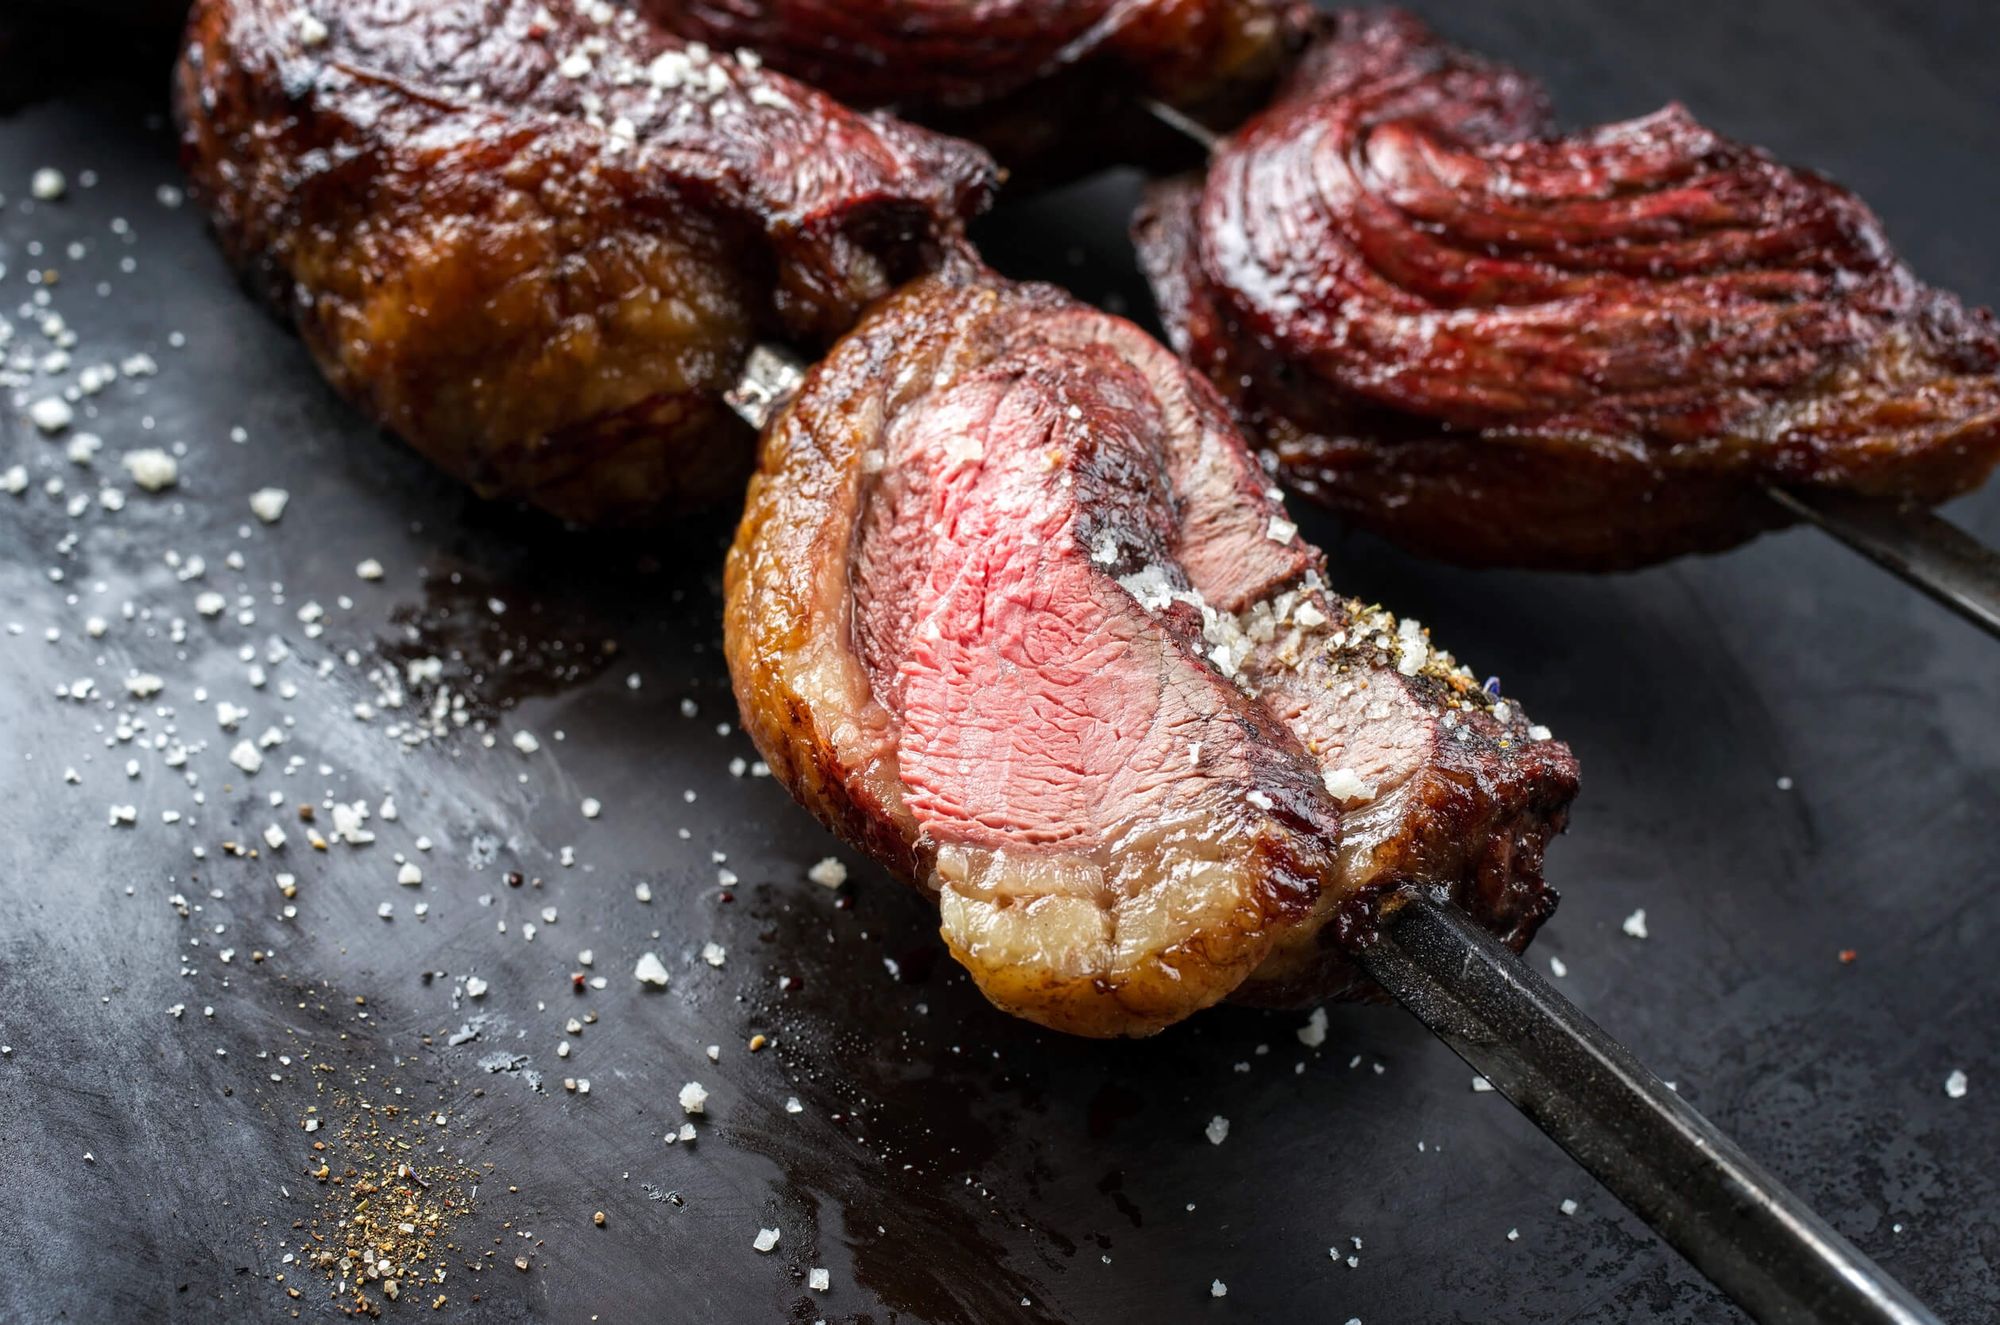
x=1734 y=1222
x=1920 y=548
x=1737 y=1224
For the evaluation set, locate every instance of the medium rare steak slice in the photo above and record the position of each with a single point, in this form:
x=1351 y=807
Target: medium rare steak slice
x=1013 y=609
x=538 y=242
x=1498 y=344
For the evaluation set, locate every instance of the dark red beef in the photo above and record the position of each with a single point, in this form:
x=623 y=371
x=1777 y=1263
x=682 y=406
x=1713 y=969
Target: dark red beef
x=1502 y=345
x=1013 y=609
x=1050 y=86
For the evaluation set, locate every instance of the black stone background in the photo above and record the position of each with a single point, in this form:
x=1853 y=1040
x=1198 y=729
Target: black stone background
x=949 y=1164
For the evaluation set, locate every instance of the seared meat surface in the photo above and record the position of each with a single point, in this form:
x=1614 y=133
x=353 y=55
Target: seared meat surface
x=1499 y=345
x=538 y=241
x=1014 y=610
x=1049 y=85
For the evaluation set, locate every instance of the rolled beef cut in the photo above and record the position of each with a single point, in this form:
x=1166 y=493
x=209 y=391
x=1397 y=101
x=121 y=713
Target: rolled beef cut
x=1051 y=86
x=1499 y=345
x=538 y=241
x=1013 y=610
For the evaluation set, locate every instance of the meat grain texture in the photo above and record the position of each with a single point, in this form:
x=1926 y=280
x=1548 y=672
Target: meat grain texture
x=1051 y=86
x=537 y=242
x=1014 y=610
x=1498 y=344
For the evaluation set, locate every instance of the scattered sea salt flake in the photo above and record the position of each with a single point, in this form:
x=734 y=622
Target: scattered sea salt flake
x=714 y=953
x=651 y=971
x=1955 y=1084
x=592 y=807
x=268 y=504
x=1313 y=1034
x=1217 y=1130
x=409 y=875
x=828 y=873
x=1568 y=1206
x=818 y=1279
x=1635 y=924
x=767 y=1238
x=48 y=184
x=1218 y=1289
x=475 y=987
x=144 y=685
x=152 y=469
x=244 y=755
x=51 y=414
x=526 y=742
x=694 y=1098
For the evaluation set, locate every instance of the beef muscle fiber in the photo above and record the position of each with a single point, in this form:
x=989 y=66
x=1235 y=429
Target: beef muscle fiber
x=1012 y=609
x=1498 y=344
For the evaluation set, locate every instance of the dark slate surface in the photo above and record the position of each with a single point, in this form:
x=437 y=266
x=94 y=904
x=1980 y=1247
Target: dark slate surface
x=948 y=1164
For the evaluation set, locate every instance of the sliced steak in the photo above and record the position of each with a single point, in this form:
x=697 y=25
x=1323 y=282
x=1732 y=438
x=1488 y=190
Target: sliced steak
x=1500 y=345
x=538 y=241
x=1013 y=609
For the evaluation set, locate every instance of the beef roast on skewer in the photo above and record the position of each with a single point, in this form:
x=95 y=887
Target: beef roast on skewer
x=1052 y=87
x=1595 y=351
x=1013 y=610
x=538 y=242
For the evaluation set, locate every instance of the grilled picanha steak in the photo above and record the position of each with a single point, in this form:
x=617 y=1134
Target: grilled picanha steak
x=538 y=241
x=1015 y=611
x=1048 y=85
x=1501 y=346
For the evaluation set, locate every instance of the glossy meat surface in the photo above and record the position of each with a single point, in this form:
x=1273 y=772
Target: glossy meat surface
x=1501 y=345
x=1013 y=610
x=1048 y=85
x=537 y=242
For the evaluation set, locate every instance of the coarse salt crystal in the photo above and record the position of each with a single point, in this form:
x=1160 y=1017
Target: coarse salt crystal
x=244 y=755
x=268 y=504
x=651 y=971
x=152 y=469
x=714 y=953
x=1955 y=1084
x=1313 y=1034
x=1281 y=530
x=818 y=1279
x=312 y=32
x=694 y=1098
x=1217 y=1130
x=526 y=742
x=409 y=875
x=1218 y=1289
x=1635 y=924
x=51 y=414
x=48 y=184
x=370 y=569
x=475 y=987
x=1344 y=784
x=766 y=1239
x=828 y=873
x=592 y=807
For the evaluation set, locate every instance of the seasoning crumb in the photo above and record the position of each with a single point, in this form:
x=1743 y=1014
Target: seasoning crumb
x=597 y=1218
